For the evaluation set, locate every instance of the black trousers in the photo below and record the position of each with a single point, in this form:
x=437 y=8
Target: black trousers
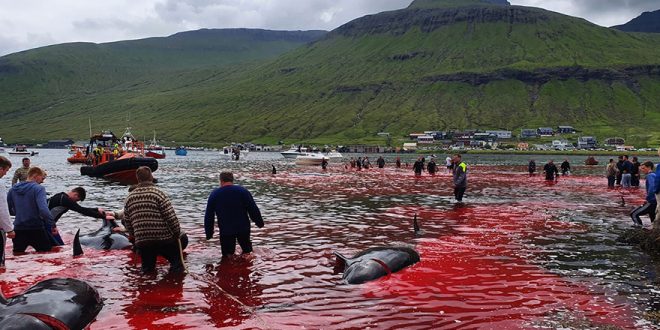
x=459 y=192
x=3 y=239
x=169 y=251
x=228 y=243
x=37 y=238
x=647 y=208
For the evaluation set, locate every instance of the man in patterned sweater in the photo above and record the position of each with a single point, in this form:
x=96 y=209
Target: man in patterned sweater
x=150 y=219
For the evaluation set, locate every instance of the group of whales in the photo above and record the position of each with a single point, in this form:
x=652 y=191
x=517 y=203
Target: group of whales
x=65 y=303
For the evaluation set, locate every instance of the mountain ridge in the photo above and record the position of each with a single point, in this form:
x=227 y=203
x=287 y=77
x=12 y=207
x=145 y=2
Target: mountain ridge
x=648 y=22
x=477 y=66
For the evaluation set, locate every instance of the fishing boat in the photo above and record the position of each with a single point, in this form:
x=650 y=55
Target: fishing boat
x=294 y=152
x=155 y=150
x=181 y=151
x=113 y=163
x=80 y=157
x=311 y=159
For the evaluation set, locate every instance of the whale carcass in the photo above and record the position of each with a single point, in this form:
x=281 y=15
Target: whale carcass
x=376 y=262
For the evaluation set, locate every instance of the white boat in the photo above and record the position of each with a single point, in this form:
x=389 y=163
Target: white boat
x=22 y=151
x=334 y=154
x=294 y=152
x=313 y=159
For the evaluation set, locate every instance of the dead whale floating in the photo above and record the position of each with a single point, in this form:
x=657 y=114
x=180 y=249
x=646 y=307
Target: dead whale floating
x=374 y=263
x=60 y=303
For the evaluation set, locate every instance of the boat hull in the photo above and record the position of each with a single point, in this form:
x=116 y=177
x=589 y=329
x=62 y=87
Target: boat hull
x=154 y=154
x=310 y=160
x=120 y=170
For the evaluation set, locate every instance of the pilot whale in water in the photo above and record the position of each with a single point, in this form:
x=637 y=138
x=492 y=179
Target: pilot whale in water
x=60 y=303
x=106 y=239
x=374 y=263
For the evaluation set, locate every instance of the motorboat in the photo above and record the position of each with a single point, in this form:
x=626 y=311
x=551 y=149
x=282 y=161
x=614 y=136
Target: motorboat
x=110 y=162
x=21 y=150
x=334 y=154
x=294 y=152
x=311 y=159
x=181 y=151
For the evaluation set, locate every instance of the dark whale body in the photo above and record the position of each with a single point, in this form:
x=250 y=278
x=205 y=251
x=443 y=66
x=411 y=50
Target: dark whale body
x=376 y=262
x=105 y=239
x=60 y=303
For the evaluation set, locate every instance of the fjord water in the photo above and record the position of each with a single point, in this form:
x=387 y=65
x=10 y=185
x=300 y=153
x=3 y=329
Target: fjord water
x=520 y=253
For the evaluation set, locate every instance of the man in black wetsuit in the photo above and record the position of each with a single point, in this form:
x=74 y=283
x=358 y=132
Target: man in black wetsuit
x=531 y=167
x=551 y=171
x=418 y=167
x=62 y=202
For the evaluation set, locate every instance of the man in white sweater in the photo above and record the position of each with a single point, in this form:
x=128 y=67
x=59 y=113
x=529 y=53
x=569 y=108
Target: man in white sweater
x=6 y=227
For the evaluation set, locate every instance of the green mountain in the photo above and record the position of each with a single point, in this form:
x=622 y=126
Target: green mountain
x=433 y=65
x=646 y=22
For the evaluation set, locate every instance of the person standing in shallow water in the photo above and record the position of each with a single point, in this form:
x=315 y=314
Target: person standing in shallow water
x=650 y=203
x=565 y=167
x=21 y=173
x=6 y=227
x=551 y=171
x=460 y=177
x=398 y=162
x=234 y=206
x=432 y=167
x=531 y=167
x=418 y=167
x=611 y=172
x=150 y=219
x=381 y=162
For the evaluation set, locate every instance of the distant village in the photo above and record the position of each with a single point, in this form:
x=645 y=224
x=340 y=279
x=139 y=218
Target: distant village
x=561 y=138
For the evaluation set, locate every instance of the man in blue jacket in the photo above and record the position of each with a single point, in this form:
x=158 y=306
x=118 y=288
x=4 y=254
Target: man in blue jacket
x=234 y=207
x=650 y=204
x=27 y=202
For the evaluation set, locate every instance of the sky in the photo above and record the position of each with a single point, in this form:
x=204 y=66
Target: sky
x=28 y=24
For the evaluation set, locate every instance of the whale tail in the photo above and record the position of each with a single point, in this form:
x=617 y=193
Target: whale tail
x=77 y=248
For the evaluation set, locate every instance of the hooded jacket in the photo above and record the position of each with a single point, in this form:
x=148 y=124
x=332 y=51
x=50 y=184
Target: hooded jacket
x=27 y=202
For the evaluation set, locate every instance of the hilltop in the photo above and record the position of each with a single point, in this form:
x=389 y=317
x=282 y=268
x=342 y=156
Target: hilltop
x=432 y=65
x=647 y=22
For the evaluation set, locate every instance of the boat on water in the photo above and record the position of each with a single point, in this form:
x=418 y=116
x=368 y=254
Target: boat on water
x=235 y=152
x=21 y=150
x=112 y=162
x=591 y=161
x=181 y=151
x=311 y=159
x=334 y=154
x=155 y=150
x=294 y=152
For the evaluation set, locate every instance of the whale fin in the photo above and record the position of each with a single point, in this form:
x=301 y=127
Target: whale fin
x=416 y=226
x=77 y=248
x=342 y=260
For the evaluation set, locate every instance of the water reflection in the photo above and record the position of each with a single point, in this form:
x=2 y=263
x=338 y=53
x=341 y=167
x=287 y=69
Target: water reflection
x=520 y=253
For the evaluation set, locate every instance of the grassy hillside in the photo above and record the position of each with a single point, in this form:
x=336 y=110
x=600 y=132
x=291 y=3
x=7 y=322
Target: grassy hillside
x=423 y=67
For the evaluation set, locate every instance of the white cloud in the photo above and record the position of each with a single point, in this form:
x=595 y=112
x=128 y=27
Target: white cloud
x=28 y=24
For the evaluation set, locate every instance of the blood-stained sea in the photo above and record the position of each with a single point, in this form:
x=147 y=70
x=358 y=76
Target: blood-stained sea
x=519 y=253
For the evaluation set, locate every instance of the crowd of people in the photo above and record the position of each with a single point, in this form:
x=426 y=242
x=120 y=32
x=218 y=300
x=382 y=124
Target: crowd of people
x=148 y=217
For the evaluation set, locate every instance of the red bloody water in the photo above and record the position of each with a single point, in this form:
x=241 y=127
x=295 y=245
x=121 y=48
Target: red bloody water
x=519 y=254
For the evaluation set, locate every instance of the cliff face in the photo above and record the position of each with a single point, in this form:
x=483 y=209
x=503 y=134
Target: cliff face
x=647 y=22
